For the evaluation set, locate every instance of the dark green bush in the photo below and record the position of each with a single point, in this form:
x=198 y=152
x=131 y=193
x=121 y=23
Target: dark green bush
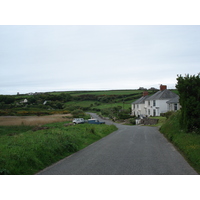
x=168 y=114
x=78 y=113
x=4 y=172
x=132 y=121
x=189 y=90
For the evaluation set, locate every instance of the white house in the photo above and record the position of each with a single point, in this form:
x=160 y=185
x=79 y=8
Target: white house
x=24 y=101
x=158 y=103
x=173 y=104
x=138 y=107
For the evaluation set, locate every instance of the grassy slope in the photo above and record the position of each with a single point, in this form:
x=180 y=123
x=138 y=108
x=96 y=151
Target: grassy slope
x=161 y=121
x=100 y=92
x=27 y=152
x=119 y=102
x=187 y=143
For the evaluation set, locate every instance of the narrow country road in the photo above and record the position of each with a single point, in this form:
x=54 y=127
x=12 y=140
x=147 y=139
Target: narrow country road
x=131 y=150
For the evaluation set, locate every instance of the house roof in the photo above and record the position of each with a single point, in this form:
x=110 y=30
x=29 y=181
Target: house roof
x=140 y=100
x=165 y=94
x=173 y=100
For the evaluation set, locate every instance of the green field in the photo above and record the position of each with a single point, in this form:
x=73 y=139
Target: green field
x=69 y=101
x=91 y=104
x=100 y=92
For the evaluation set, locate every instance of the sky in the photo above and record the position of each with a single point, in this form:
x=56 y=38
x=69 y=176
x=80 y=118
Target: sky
x=43 y=58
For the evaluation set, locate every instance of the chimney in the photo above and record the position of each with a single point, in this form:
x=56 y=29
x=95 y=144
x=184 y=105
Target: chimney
x=163 y=87
x=145 y=93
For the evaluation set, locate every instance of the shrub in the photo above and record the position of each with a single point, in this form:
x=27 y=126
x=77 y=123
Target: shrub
x=168 y=114
x=78 y=113
x=132 y=121
x=124 y=114
x=4 y=172
x=189 y=90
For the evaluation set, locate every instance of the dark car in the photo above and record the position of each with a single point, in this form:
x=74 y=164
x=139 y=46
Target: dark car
x=95 y=121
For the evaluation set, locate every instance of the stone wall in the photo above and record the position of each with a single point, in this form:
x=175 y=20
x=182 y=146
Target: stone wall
x=149 y=121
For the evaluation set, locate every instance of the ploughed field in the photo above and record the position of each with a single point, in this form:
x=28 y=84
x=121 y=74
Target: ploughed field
x=33 y=120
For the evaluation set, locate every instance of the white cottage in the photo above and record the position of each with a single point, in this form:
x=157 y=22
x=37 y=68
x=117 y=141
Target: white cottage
x=24 y=101
x=157 y=103
x=137 y=107
x=160 y=102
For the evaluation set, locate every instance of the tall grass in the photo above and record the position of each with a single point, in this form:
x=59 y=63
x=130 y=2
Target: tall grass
x=187 y=143
x=27 y=151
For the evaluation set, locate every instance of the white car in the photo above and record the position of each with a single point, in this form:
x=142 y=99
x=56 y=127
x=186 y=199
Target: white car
x=78 y=121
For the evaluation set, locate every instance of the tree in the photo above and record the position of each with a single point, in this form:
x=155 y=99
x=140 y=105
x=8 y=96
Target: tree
x=32 y=99
x=7 y=99
x=189 y=91
x=78 y=113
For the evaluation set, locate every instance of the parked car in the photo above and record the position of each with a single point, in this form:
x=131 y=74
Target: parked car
x=95 y=121
x=78 y=121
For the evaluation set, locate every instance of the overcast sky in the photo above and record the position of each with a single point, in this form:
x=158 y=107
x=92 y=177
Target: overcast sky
x=89 y=57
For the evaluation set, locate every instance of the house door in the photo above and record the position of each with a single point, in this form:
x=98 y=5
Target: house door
x=154 y=112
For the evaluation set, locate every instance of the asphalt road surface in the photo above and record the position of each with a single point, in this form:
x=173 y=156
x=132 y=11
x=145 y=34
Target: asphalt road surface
x=131 y=150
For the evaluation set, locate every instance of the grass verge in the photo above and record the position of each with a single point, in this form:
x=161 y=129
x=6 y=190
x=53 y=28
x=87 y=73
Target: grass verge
x=25 y=152
x=187 y=143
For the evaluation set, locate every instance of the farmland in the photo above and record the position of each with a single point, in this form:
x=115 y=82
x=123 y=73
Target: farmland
x=33 y=132
x=115 y=104
x=32 y=120
x=65 y=102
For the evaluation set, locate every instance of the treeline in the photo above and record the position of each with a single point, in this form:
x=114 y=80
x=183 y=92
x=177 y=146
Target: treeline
x=41 y=101
x=7 y=99
x=189 y=92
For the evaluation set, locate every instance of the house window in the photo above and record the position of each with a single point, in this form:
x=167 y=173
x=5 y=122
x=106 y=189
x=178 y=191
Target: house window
x=149 y=103
x=154 y=102
x=175 y=106
x=148 y=111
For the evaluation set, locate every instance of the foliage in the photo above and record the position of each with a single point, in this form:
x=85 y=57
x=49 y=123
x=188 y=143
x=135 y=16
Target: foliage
x=116 y=112
x=27 y=152
x=4 y=172
x=124 y=114
x=188 y=144
x=78 y=113
x=7 y=99
x=167 y=114
x=189 y=92
x=132 y=121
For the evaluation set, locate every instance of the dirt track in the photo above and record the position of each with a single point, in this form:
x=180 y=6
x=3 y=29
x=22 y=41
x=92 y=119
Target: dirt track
x=32 y=120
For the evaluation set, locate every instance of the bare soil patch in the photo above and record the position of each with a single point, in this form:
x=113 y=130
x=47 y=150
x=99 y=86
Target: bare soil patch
x=33 y=120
